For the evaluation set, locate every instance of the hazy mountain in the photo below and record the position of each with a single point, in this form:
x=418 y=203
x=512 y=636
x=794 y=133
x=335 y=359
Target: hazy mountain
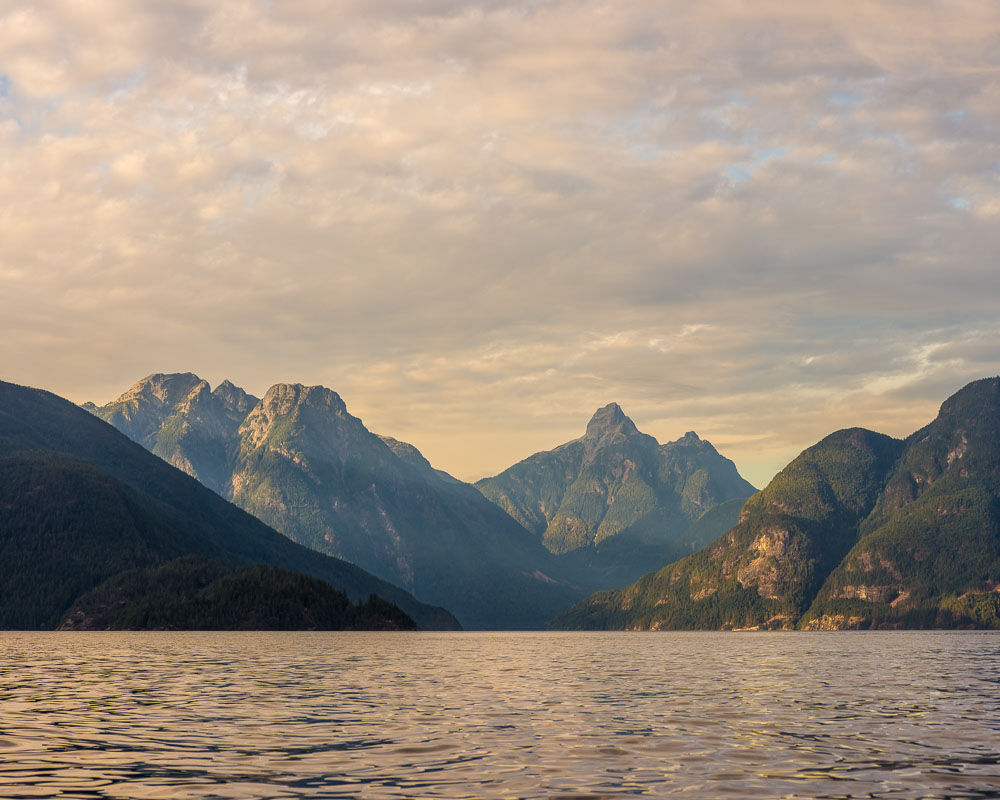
x=615 y=501
x=861 y=530
x=299 y=461
x=80 y=503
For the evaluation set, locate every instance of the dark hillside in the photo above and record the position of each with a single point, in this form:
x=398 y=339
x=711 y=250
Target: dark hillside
x=80 y=502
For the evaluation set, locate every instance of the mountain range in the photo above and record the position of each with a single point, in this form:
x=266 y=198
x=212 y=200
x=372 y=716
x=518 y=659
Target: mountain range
x=80 y=504
x=860 y=531
x=300 y=462
x=509 y=553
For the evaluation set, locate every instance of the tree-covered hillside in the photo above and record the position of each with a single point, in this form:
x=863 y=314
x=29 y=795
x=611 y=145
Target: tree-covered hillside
x=859 y=531
x=194 y=593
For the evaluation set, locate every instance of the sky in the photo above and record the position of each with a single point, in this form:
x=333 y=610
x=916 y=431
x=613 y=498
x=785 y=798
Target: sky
x=480 y=221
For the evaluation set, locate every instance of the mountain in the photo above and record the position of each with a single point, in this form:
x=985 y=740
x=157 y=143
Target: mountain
x=80 y=503
x=300 y=462
x=180 y=419
x=767 y=568
x=928 y=555
x=615 y=500
x=859 y=531
x=198 y=594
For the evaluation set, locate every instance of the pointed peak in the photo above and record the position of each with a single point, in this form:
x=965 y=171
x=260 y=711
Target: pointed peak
x=690 y=442
x=235 y=397
x=610 y=419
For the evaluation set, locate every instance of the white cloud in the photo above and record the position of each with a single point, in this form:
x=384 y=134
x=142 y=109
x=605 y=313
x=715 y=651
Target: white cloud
x=491 y=217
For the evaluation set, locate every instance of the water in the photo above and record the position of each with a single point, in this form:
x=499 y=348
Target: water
x=477 y=715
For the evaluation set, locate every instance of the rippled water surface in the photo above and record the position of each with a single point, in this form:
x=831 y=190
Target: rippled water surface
x=478 y=715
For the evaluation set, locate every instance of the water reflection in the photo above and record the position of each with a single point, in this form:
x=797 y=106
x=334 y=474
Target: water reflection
x=290 y=715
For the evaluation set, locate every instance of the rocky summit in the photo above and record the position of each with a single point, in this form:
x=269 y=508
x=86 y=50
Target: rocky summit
x=860 y=531
x=615 y=501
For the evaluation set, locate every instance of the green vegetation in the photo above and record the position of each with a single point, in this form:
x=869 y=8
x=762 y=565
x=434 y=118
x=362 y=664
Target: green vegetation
x=765 y=570
x=197 y=594
x=64 y=527
x=934 y=534
x=860 y=531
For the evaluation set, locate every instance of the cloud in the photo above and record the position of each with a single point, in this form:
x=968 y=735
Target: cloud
x=479 y=221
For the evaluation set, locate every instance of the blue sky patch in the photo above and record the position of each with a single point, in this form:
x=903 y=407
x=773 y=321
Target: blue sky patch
x=846 y=98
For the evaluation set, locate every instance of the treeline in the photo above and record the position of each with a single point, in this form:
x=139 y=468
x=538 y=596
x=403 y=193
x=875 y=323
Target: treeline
x=193 y=593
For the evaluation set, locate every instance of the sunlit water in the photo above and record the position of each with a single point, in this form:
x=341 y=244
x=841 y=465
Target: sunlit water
x=477 y=715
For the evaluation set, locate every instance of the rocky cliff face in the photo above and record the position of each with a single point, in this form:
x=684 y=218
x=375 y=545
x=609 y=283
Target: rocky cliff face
x=180 y=419
x=859 y=531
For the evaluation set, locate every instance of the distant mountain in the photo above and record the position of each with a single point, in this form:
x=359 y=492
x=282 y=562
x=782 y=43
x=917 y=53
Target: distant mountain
x=80 y=503
x=859 y=531
x=198 y=594
x=615 y=501
x=299 y=461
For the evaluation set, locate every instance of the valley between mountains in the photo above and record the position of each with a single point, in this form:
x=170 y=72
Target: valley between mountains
x=860 y=531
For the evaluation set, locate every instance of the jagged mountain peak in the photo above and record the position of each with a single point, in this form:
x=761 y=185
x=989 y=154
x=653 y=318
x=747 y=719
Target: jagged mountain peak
x=234 y=397
x=690 y=441
x=199 y=392
x=117 y=507
x=283 y=397
x=860 y=530
x=167 y=388
x=610 y=419
x=615 y=498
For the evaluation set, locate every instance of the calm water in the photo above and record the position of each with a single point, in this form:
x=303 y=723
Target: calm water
x=476 y=715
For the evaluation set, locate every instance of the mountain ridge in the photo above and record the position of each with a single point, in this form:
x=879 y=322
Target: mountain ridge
x=860 y=530
x=303 y=464
x=80 y=502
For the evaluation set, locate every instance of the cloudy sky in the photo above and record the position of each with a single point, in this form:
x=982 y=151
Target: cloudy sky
x=478 y=221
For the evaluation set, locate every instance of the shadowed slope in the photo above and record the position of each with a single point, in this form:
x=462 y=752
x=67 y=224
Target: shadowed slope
x=299 y=461
x=79 y=502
